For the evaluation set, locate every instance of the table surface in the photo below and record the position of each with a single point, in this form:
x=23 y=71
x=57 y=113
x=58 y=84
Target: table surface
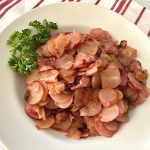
x=145 y=3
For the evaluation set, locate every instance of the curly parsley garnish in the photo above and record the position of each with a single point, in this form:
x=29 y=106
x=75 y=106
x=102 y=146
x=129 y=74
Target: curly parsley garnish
x=24 y=44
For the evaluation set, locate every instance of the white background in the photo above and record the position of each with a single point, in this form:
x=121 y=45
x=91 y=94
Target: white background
x=145 y=3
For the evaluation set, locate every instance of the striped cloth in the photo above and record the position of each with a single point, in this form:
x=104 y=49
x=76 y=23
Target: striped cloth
x=139 y=15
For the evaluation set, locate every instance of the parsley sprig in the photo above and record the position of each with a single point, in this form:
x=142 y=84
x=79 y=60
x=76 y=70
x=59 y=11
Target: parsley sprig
x=23 y=45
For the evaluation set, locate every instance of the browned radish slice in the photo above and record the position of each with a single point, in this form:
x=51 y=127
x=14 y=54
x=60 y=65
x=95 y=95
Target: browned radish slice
x=34 y=76
x=67 y=75
x=43 y=51
x=136 y=84
x=89 y=47
x=57 y=46
x=123 y=118
x=65 y=62
x=30 y=112
x=110 y=78
x=63 y=125
x=51 y=104
x=44 y=64
x=92 y=109
x=102 y=130
x=90 y=125
x=73 y=132
x=45 y=124
x=56 y=88
x=62 y=97
x=83 y=60
x=108 y=97
x=96 y=80
x=93 y=68
x=36 y=93
x=80 y=98
x=40 y=111
x=84 y=82
x=64 y=104
x=140 y=99
x=49 y=76
x=110 y=113
x=112 y=125
x=121 y=106
x=135 y=65
x=99 y=34
x=75 y=38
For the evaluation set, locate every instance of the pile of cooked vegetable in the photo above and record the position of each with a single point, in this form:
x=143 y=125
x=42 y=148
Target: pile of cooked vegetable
x=81 y=84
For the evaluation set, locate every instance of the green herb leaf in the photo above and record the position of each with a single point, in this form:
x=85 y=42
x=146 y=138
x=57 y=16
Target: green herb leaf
x=23 y=46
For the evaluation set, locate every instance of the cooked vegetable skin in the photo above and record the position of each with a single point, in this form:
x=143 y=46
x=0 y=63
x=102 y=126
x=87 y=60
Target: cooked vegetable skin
x=84 y=84
x=24 y=44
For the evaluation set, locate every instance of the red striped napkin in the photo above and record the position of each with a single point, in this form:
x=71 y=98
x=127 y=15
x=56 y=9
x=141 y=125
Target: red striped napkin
x=11 y=9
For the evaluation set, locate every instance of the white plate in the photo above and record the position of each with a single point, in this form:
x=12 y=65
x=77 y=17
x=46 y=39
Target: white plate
x=17 y=131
